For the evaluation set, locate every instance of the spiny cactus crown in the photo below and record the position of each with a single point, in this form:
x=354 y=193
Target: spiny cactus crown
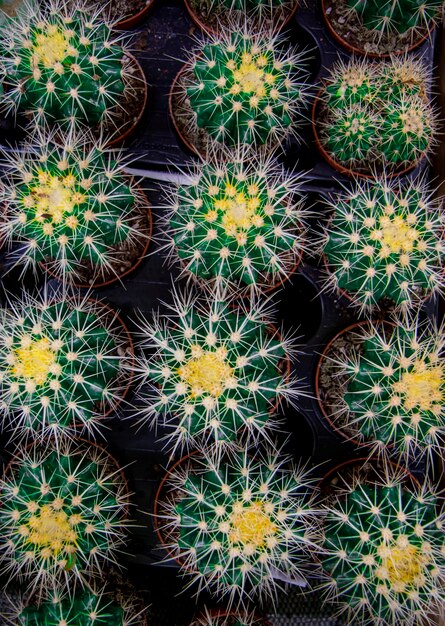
x=62 y=514
x=60 y=363
x=240 y=221
x=213 y=371
x=246 y=89
x=386 y=241
x=397 y=388
x=62 y=67
x=376 y=115
x=384 y=551
x=69 y=206
x=240 y=520
x=396 y=16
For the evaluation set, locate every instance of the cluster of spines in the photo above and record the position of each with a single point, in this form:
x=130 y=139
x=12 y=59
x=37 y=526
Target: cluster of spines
x=225 y=618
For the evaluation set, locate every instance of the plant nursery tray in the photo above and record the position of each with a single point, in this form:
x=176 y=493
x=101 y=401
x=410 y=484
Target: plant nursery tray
x=159 y=44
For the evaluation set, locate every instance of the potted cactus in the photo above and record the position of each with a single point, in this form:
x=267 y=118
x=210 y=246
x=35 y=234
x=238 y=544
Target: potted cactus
x=63 y=514
x=212 y=373
x=239 y=88
x=61 y=66
x=70 y=207
x=240 y=525
x=385 y=242
x=239 y=220
x=63 y=365
x=381 y=27
x=383 y=548
x=221 y=617
x=374 y=117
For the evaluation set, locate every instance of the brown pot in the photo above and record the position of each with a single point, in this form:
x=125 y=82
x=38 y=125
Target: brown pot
x=227 y=617
x=176 y=82
x=373 y=55
x=133 y=20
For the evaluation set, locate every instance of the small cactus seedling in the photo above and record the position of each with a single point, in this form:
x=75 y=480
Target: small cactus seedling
x=213 y=371
x=244 y=88
x=72 y=208
x=61 y=364
x=385 y=240
x=236 y=524
x=61 y=66
x=63 y=514
x=384 y=550
x=240 y=221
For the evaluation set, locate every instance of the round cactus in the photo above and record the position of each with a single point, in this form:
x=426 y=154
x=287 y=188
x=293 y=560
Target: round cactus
x=63 y=513
x=240 y=221
x=213 y=371
x=385 y=240
x=351 y=135
x=383 y=550
x=72 y=207
x=61 y=66
x=61 y=364
x=243 y=88
x=234 y=525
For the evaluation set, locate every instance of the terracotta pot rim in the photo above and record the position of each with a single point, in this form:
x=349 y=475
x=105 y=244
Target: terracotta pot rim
x=173 y=88
x=133 y=20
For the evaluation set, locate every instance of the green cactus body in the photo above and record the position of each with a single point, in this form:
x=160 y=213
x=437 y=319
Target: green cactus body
x=244 y=89
x=350 y=85
x=62 y=67
x=407 y=127
x=240 y=520
x=213 y=371
x=396 y=16
x=384 y=552
x=241 y=221
x=351 y=135
x=62 y=514
x=397 y=388
x=385 y=241
x=60 y=364
x=70 y=207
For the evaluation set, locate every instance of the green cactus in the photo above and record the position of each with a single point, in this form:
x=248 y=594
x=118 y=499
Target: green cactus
x=384 y=550
x=213 y=371
x=241 y=221
x=61 y=66
x=395 y=395
x=385 y=240
x=63 y=514
x=245 y=88
x=351 y=135
x=237 y=522
x=70 y=207
x=61 y=365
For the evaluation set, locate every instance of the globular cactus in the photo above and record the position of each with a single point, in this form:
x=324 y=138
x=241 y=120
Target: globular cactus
x=238 y=524
x=351 y=135
x=61 y=66
x=385 y=241
x=71 y=207
x=213 y=372
x=62 y=363
x=240 y=221
x=244 y=88
x=63 y=514
x=384 y=550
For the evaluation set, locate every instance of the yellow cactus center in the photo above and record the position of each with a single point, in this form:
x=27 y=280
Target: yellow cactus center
x=397 y=235
x=412 y=122
x=239 y=209
x=251 y=525
x=208 y=373
x=53 y=200
x=34 y=362
x=354 y=77
x=50 y=47
x=250 y=77
x=403 y=566
x=422 y=388
x=50 y=530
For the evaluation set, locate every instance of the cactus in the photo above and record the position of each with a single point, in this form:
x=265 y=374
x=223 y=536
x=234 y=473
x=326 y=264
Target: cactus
x=384 y=549
x=385 y=240
x=245 y=88
x=241 y=221
x=61 y=364
x=63 y=513
x=375 y=116
x=71 y=207
x=235 y=524
x=227 y=618
x=61 y=66
x=213 y=371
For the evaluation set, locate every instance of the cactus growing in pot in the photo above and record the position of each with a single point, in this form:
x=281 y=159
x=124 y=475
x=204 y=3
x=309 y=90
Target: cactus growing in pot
x=385 y=240
x=69 y=205
x=212 y=372
x=240 y=221
x=62 y=364
x=63 y=514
